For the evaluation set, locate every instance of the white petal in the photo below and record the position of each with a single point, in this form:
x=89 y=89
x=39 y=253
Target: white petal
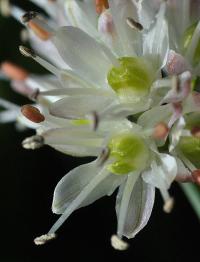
x=79 y=106
x=176 y=133
x=156 y=41
x=155 y=115
x=129 y=38
x=76 y=180
x=140 y=206
x=161 y=174
x=81 y=14
x=83 y=54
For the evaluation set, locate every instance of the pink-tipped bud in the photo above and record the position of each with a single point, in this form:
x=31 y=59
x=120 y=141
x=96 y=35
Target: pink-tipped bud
x=32 y=113
x=176 y=64
x=196 y=176
x=160 y=131
x=13 y=71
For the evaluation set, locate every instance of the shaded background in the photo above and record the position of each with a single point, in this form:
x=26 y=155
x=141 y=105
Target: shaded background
x=28 y=179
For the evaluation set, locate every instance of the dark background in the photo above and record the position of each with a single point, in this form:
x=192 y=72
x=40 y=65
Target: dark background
x=28 y=179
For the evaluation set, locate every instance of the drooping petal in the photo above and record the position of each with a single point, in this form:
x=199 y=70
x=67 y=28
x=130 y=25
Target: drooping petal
x=83 y=54
x=162 y=173
x=139 y=207
x=76 y=180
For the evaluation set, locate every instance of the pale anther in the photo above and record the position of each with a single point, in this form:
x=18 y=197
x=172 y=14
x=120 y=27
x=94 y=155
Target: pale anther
x=33 y=142
x=118 y=244
x=133 y=24
x=27 y=51
x=44 y=239
x=168 y=206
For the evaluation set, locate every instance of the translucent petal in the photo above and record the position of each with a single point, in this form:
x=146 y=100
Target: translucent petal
x=161 y=174
x=140 y=204
x=79 y=106
x=83 y=54
x=129 y=38
x=156 y=41
x=76 y=180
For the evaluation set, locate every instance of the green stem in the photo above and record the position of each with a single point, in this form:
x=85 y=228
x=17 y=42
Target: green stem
x=193 y=194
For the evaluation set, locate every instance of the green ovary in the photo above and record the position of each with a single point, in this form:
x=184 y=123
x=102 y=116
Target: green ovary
x=187 y=37
x=133 y=77
x=190 y=147
x=129 y=152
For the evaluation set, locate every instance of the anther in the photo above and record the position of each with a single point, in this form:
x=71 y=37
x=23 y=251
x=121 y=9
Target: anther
x=27 y=51
x=168 y=206
x=33 y=142
x=32 y=113
x=133 y=24
x=104 y=156
x=44 y=239
x=160 y=131
x=39 y=31
x=101 y=5
x=28 y=16
x=13 y=71
x=196 y=176
x=95 y=120
x=118 y=244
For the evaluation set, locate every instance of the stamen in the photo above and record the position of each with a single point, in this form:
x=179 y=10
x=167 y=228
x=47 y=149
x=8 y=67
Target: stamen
x=95 y=120
x=160 y=131
x=13 y=71
x=33 y=142
x=37 y=24
x=32 y=113
x=44 y=239
x=103 y=174
x=27 y=51
x=133 y=24
x=196 y=176
x=30 y=53
x=168 y=201
x=118 y=244
x=101 y=5
x=169 y=205
x=39 y=31
x=103 y=156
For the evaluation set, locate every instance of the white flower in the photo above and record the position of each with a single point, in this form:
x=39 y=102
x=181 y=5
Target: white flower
x=104 y=72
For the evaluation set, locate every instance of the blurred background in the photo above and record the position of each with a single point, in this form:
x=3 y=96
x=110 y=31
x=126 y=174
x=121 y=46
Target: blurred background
x=28 y=179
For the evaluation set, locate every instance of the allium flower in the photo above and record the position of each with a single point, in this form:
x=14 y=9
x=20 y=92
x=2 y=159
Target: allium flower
x=108 y=98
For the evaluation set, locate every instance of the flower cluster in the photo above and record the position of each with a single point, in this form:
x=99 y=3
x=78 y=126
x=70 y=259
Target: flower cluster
x=124 y=88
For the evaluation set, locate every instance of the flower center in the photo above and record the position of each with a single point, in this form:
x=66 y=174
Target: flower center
x=129 y=152
x=187 y=38
x=133 y=78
